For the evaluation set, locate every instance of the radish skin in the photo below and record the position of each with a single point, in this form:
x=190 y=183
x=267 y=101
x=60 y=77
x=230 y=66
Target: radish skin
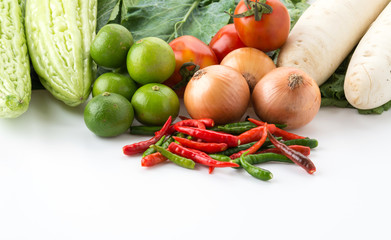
x=326 y=33
x=368 y=78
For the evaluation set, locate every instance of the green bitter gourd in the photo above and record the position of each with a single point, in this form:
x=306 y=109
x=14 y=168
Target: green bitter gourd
x=15 y=81
x=59 y=35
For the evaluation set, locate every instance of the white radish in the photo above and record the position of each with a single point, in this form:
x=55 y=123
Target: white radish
x=368 y=78
x=326 y=33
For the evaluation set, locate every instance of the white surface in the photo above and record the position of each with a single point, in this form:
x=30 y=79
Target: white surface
x=59 y=181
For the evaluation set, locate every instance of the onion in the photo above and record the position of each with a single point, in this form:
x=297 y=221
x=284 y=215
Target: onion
x=217 y=92
x=288 y=96
x=252 y=63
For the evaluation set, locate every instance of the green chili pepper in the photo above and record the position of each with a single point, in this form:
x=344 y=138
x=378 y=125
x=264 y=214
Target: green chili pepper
x=254 y=171
x=309 y=142
x=263 y=157
x=167 y=142
x=144 y=130
x=152 y=150
x=180 y=161
x=220 y=157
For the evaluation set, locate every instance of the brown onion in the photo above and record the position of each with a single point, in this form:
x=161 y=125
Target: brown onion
x=252 y=63
x=217 y=92
x=288 y=96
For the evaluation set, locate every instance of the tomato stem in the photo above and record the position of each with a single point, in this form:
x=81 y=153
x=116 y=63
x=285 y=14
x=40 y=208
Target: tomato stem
x=256 y=9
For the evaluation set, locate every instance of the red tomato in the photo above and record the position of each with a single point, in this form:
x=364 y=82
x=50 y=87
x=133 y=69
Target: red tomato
x=189 y=49
x=225 y=41
x=268 y=34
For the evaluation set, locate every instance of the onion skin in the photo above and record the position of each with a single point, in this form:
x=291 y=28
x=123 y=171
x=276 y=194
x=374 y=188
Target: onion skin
x=252 y=63
x=218 y=92
x=276 y=100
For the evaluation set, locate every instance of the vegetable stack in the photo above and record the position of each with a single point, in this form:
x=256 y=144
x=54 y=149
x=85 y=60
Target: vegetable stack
x=197 y=141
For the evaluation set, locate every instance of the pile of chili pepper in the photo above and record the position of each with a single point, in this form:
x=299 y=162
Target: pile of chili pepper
x=237 y=145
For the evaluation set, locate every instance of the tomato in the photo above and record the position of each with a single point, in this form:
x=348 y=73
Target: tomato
x=189 y=49
x=225 y=41
x=268 y=34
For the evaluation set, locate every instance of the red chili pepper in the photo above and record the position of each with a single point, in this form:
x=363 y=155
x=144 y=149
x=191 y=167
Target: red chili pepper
x=198 y=156
x=277 y=131
x=207 y=121
x=302 y=149
x=191 y=123
x=210 y=136
x=254 y=147
x=152 y=159
x=202 y=146
x=251 y=135
x=295 y=156
x=140 y=147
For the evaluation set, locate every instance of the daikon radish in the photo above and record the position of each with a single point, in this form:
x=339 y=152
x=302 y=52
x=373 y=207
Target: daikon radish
x=368 y=78
x=326 y=33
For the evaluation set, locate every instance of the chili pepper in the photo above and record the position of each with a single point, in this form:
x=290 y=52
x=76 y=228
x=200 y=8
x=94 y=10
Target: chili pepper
x=210 y=136
x=264 y=157
x=251 y=135
x=152 y=150
x=309 y=142
x=235 y=128
x=277 y=131
x=140 y=147
x=179 y=160
x=191 y=123
x=198 y=156
x=254 y=171
x=208 y=122
x=167 y=142
x=302 y=149
x=144 y=130
x=293 y=155
x=202 y=146
x=220 y=157
x=152 y=159
x=254 y=147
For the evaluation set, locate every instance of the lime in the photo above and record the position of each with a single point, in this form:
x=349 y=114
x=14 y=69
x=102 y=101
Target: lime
x=150 y=60
x=108 y=114
x=111 y=45
x=114 y=83
x=153 y=103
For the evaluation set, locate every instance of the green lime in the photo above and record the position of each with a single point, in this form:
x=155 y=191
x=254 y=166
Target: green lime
x=114 y=83
x=153 y=103
x=150 y=60
x=111 y=45
x=108 y=115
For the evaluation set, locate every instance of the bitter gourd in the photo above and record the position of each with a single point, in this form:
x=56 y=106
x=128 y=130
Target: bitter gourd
x=59 y=35
x=15 y=81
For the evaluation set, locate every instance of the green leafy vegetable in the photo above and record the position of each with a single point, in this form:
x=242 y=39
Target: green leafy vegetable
x=295 y=9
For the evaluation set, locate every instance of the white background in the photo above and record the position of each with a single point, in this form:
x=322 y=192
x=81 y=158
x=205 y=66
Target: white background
x=60 y=181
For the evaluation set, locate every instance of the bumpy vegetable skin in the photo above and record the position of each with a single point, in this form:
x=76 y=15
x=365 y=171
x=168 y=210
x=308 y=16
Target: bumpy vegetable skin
x=59 y=35
x=15 y=81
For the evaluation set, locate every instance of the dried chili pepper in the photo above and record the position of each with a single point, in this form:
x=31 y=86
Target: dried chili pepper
x=198 y=156
x=210 y=136
x=254 y=147
x=140 y=147
x=277 y=131
x=179 y=160
x=152 y=159
x=296 y=157
x=302 y=149
x=202 y=146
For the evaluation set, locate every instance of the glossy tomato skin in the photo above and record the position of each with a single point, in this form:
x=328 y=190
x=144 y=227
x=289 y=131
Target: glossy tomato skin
x=268 y=34
x=189 y=49
x=225 y=41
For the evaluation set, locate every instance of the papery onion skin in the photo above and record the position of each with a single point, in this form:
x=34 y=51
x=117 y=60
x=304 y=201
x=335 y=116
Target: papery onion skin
x=217 y=92
x=274 y=101
x=252 y=63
